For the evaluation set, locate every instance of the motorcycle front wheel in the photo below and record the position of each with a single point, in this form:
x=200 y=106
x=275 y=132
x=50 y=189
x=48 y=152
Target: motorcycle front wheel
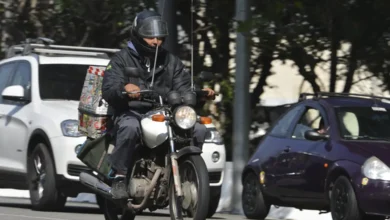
x=196 y=189
x=112 y=211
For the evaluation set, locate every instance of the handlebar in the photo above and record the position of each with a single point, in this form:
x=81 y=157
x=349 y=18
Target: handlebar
x=204 y=93
x=140 y=92
x=151 y=96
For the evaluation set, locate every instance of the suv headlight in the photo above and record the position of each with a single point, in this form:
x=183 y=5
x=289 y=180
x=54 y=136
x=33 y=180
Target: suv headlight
x=213 y=136
x=70 y=128
x=185 y=117
x=374 y=168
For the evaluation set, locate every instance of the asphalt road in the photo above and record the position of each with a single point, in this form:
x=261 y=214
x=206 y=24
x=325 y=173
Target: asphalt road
x=20 y=209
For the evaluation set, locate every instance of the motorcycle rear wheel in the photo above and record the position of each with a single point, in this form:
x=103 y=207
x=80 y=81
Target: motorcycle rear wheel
x=196 y=189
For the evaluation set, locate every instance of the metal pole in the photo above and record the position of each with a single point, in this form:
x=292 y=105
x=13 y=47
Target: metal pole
x=241 y=105
x=167 y=9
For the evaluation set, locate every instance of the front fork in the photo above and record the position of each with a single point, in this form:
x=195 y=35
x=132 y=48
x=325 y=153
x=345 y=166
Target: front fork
x=175 y=166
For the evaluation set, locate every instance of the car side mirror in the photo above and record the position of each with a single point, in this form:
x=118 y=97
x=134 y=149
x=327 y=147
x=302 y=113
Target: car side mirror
x=132 y=72
x=315 y=136
x=14 y=93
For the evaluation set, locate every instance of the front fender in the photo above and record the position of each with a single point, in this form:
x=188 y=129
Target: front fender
x=350 y=169
x=190 y=150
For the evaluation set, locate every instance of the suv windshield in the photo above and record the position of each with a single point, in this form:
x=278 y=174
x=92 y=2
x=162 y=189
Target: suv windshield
x=61 y=81
x=368 y=123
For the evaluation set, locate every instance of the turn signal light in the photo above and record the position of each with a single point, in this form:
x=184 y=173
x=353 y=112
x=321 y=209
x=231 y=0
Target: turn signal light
x=205 y=120
x=159 y=118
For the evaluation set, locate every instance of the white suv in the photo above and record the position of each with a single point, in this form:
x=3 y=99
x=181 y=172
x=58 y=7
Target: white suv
x=40 y=87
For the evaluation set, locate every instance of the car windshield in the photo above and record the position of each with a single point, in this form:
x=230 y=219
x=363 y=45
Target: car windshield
x=61 y=81
x=364 y=123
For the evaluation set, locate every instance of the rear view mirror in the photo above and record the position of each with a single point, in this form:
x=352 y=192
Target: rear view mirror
x=315 y=136
x=132 y=72
x=206 y=76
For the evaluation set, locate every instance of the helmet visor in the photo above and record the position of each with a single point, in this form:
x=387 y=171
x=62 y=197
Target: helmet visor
x=153 y=28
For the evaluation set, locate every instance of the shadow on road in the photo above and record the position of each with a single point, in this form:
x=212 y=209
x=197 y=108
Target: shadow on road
x=73 y=208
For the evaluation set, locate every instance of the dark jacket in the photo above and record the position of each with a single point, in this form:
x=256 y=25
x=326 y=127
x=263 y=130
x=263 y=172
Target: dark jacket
x=170 y=75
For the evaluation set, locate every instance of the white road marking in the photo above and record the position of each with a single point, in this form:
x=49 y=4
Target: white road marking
x=31 y=217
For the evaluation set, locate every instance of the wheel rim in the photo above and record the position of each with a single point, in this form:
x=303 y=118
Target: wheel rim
x=340 y=201
x=190 y=183
x=39 y=176
x=249 y=194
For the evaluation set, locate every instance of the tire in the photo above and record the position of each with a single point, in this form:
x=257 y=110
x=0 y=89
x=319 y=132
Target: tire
x=253 y=202
x=100 y=201
x=348 y=208
x=215 y=195
x=41 y=175
x=112 y=211
x=198 y=166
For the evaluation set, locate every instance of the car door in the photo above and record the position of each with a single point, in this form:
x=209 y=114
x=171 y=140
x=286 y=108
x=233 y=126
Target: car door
x=17 y=120
x=6 y=72
x=307 y=159
x=273 y=146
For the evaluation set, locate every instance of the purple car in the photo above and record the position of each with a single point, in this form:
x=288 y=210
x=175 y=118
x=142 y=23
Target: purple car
x=329 y=153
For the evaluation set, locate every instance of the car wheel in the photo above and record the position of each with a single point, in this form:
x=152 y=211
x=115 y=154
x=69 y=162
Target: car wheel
x=343 y=202
x=253 y=202
x=44 y=194
x=215 y=195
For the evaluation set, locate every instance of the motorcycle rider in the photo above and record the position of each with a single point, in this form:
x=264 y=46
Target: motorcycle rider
x=147 y=34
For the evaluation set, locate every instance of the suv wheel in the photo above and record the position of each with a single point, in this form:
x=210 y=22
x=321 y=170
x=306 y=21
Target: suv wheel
x=41 y=180
x=253 y=202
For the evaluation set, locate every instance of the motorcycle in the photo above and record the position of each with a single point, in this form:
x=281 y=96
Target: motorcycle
x=168 y=169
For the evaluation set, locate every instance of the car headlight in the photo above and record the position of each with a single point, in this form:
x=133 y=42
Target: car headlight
x=70 y=128
x=374 y=168
x=185 y=117
x=213 y=136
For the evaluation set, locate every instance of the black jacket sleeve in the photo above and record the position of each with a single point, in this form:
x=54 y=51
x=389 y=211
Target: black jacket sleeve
x=182 y=82
x=181 y=77
x=114 y=82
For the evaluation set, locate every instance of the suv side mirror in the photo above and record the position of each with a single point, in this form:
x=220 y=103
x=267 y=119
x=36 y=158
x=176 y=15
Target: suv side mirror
x=14 y=93
x=315 y=136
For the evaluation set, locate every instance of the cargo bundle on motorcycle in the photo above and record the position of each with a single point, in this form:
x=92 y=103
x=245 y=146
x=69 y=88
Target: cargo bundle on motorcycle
x=94 y=120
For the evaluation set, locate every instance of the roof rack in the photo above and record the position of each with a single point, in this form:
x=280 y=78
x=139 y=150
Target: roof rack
x=317 y=95
x=45 y=46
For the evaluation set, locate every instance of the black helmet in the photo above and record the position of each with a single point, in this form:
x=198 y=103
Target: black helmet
x=148 y=24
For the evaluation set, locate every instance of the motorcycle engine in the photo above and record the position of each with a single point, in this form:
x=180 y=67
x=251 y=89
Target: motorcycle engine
x=138 y=187
x=142 y=176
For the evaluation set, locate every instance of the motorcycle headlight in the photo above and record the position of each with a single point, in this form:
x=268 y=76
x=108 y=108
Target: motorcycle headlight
x=213 y=136
x=185 y=117
x=374 y=168
x=70 y=128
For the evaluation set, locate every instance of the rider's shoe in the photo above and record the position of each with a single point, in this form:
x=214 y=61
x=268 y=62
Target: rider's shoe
x=118 y=188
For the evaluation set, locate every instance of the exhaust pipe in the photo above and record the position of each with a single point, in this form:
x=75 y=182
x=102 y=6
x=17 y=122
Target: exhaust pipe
x=96 y=185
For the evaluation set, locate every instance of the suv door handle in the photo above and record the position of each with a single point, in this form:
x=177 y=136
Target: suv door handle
x=287 y=149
